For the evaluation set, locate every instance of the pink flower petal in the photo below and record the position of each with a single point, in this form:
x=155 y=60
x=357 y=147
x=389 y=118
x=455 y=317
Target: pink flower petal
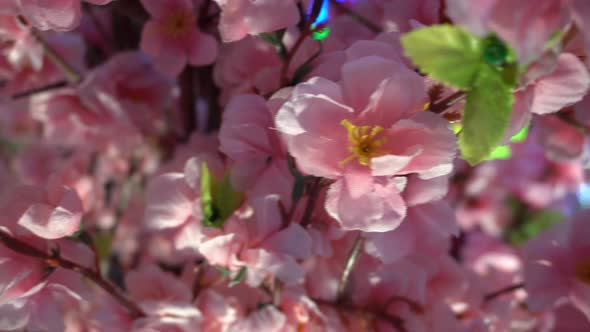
x=566 y=85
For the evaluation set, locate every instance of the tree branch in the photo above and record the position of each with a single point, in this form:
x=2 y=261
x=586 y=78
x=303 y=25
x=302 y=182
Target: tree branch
x=502 y=291
x=350 y=263
x=57 y=261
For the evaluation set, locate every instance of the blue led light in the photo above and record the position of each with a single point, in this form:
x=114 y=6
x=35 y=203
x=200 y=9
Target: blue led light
x=584 y=194
x=324 y=14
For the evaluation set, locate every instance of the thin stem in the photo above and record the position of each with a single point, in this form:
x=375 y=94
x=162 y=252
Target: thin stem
x=57 y=261
x=187 y=101
x=502 y=291
x=443 y=104
x=314 y=190
x=70 y=72
x=361 y=19
x=350 y=263
x=28 y=93
x=285 y=69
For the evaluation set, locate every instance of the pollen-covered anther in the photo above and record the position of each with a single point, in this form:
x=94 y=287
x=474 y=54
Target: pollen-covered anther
x=364 y=143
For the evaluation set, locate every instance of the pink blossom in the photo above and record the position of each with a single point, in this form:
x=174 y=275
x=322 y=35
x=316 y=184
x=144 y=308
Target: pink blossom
x=250 y=65
x=128 y=88
x=172 y=38
x=30 y=298
x=243 y=17
x=59 y=15
x=524 y=25
x=50 y=212
x=555 y=266
x=563 y=85
x=165 y=300
x=365 y=137
x=247 y=137
x=265 y=247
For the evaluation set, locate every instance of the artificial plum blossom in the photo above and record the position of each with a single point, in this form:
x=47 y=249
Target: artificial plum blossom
x=173 y=38
x=31 y=298
x=59 y=15
x=524 y=25
x=165 y=299
x=366 y=138
x=549 y=85
x=264 y=246
x=27 y=65
x=248 y=138
x=240 y=18
x=249 y=65
x=336 y=200
x=174 y=203
x=50 y=212
x=129 y=88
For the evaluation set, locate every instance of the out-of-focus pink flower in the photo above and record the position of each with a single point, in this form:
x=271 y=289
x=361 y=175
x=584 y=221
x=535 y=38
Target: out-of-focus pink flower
x=51 y=213
x=264 y=246
x=526 y=25
x=561 y=141
x=248 y=138
x=173 y=206
x=172 y=37
x=69 y=122
x=534 y=178
x=59 y=15
x=250 y=65
x=25 y=64
x=566 y=83
x=167 y=301
x=557 y=265
x=365 y=132
x=31 y=298
x=128 y=87
x=240 y=18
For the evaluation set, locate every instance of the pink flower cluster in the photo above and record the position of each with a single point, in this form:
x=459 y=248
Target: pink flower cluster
x=281 y=165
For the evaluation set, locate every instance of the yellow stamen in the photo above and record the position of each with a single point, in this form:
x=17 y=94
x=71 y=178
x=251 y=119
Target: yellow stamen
x=364 y=143
x=583 y=272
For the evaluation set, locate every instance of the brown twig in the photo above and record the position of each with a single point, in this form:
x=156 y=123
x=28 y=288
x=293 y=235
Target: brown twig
x=70 y=72
x=28 y=93
x=443 y=104
x=361 y=19
x=350 y=263
x=313 y=192
x=502 y=291
x=57 y=261
x=285 y=69
x=186 y=81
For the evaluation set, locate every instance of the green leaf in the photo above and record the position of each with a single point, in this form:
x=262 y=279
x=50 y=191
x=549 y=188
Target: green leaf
x=275 y=38
x=486 y=115
x=446 y=53
x=521 y=135
x=501 y=152
x=226 y=199
x=224 y=271
x=103 y=242
x=218 y=199
x=239 y=277
x=535 y=224
x=210 y=215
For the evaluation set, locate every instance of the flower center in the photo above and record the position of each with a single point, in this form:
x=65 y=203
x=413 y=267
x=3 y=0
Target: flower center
x=364 y=143
x=583 y=272
x=179 y=23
